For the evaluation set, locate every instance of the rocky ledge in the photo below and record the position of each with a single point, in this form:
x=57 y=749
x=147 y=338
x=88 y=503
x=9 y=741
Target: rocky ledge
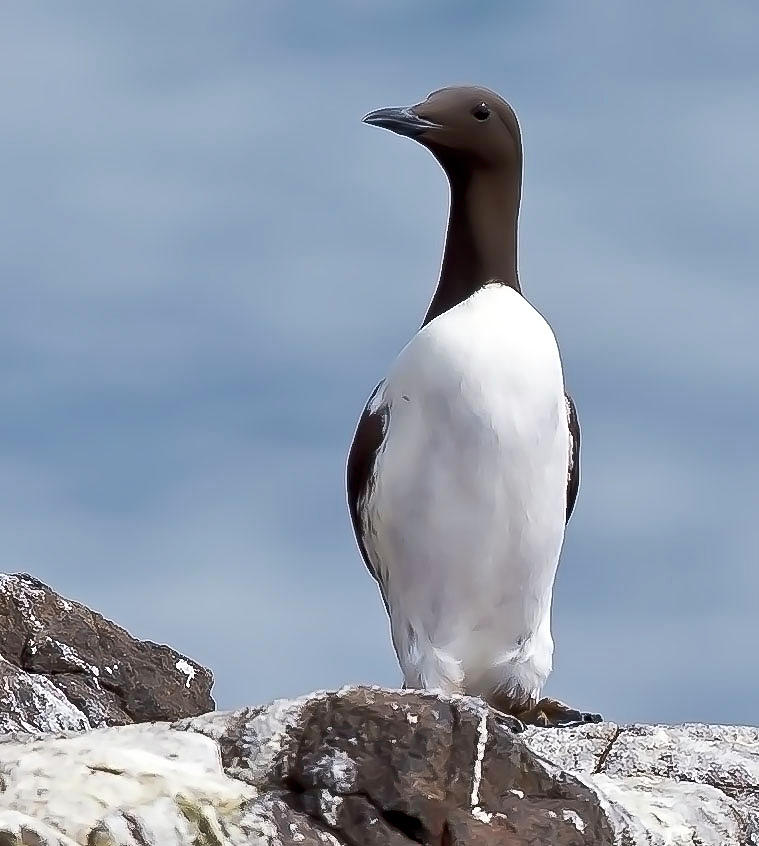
x=355 y=767
x=368 y=767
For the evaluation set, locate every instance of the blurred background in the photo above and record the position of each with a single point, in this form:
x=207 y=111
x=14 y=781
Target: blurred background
x=207 y=262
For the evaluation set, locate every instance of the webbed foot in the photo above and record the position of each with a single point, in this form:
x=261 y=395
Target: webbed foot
x=551 y=713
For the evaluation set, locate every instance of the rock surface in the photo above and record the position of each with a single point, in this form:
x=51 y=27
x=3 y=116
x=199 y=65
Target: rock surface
x=64 y=667
x=368 y=767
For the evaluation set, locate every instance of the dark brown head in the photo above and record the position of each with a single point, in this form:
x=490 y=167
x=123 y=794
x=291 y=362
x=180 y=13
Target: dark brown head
x=474 y=135
x=462 y=126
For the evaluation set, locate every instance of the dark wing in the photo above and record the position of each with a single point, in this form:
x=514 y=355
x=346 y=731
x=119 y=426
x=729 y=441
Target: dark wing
x=573 y=473
x=367 y=442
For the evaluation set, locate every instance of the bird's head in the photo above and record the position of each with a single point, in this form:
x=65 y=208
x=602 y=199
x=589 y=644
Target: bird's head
x=465 y=125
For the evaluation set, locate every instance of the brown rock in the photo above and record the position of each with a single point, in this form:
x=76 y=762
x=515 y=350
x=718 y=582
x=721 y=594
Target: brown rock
x=373 y=766
x=104 y=675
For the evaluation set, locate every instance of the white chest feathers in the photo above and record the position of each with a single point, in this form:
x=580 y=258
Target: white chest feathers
x=464 y=520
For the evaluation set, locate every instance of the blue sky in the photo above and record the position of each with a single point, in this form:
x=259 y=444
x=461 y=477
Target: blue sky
x=200 y=247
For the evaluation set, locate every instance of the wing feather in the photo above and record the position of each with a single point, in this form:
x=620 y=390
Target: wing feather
x=573 y=471
x=360 y=471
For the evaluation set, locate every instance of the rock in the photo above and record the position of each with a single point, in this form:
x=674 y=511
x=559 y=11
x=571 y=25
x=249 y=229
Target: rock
x=64 y=667
x=374 y=767
x=698 y=783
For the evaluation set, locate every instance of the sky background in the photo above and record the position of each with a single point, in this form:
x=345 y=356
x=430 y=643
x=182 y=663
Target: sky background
x=207 y=262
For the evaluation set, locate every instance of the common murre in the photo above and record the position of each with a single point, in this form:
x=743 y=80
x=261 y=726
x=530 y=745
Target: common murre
x=464 y=467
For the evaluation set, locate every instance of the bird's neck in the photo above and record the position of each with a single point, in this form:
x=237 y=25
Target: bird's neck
x=481 y=241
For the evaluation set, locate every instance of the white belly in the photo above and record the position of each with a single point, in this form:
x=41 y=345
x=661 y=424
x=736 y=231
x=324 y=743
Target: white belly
x=465 y=521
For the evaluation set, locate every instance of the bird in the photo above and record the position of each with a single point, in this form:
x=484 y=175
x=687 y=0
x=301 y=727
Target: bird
x=464 y=467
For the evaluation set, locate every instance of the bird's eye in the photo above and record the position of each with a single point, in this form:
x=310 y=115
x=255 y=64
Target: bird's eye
x=481 y=112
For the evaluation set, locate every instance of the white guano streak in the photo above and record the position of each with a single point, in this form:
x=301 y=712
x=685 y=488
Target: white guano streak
x=482 y=739
x=187 y=669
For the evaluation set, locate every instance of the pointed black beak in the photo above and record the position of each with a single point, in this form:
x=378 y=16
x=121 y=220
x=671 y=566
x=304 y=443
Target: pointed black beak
x=403 y=121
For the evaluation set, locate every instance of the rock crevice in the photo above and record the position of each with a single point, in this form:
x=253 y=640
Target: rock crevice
x=599 y=767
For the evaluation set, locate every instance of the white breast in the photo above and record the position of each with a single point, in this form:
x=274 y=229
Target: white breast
x=465 y=520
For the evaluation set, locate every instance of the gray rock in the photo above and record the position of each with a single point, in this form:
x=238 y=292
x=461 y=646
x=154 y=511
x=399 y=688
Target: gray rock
x=33 y=703
x=370 y=767
x=66 y=667
x=691 y=784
